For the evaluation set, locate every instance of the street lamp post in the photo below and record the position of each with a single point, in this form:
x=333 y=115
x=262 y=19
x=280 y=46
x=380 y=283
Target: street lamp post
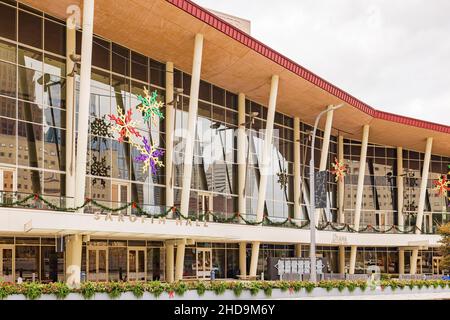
x=312 y=205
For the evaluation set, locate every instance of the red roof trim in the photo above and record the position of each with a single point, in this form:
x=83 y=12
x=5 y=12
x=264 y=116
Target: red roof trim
x=219 y=24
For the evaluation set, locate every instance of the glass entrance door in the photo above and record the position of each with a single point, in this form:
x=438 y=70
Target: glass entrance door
x=7 y=184
x=203 y=266
x=97 y=263
x=437 y=265
x=137 y=264
x=7 y=267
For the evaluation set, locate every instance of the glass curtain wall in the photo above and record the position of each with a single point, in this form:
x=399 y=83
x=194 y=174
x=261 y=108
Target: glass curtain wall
x=280 y=182
x=330 y=212
x=214 y=175
x=379 y=190
x=32 y=102
x=118 y=77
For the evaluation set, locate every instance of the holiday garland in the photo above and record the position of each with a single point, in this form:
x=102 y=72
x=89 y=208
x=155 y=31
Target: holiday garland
x=235 y=218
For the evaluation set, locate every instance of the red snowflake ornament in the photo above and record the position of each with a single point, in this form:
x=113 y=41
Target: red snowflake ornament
x=442 y=186
x=339 y=170
x=124 y=125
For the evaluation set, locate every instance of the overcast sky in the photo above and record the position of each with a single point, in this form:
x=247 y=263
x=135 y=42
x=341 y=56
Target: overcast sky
x=393 y=55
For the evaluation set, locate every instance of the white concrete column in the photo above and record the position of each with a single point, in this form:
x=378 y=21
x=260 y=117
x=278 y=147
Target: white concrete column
x=341 y=183
x=401 y=261
x=423 y=184
x=341 y=259
x=85 y=92
x=361 y=174
x=70 y=111
x=179 y=266
x=74 y=245
x=297 y=170
x=413 y=261
x=353 y=250
x=192 y=123
x=241 y=154
x=254 y=259
x=298 y=250
x=400 y=185
x=169 y=261
x=422 y=196
x=267 y=151
x=324 y=151
x=359 y=192
x=265 y=166
x=169 y=119
x=243 y=258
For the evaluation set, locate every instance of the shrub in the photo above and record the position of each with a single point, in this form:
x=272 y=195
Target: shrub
x=180 y=288
x=32 y=290
x=6 y=289
x=88 y=290
x=114 y=290
x=156 y=288
x=309 y=286
x=237 y=288
x=201 y=288
x=219 y=287
x=328 y=285
x=62 y=290
x=138 y=289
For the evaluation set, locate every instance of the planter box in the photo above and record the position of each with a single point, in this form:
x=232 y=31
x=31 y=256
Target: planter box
x=319 y=293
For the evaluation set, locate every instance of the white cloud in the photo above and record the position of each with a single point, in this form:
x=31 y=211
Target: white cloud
x=393 y=55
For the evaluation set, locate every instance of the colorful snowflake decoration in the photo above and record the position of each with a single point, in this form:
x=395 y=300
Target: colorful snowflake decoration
x=149 y=156
x=124 y=125
x=339 y=170
x=442 y=185
x=150 y=106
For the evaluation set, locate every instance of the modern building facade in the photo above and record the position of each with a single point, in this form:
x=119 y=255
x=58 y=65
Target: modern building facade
x=236 y=136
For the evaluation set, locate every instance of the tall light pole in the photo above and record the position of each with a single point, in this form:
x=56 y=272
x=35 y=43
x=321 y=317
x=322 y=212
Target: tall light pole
x=312 y=205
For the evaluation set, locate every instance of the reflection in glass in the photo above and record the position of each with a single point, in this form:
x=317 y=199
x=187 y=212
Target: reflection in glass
x=54 y=149
x=30 y=112
x=28 y=181
x=100 y=94
x=30 y=138
x=30 y=88
x=8 y=139
x=8 y=79
x=7 y=51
